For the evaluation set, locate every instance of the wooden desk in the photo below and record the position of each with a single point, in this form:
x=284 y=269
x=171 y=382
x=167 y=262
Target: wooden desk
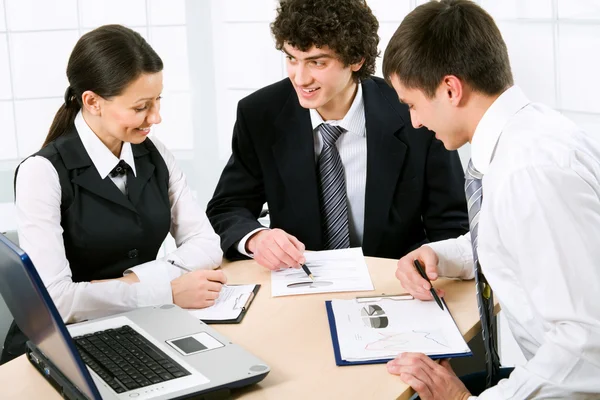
x=291 y=334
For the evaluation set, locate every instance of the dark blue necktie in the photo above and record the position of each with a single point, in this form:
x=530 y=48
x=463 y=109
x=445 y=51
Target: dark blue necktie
x=333 y=197
x=485 y=297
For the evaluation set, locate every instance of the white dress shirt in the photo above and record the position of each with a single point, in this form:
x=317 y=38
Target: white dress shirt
x=539 y=236
x=352 y=147
x=38 y=199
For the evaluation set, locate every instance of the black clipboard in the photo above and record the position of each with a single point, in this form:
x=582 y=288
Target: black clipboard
x=242 y=313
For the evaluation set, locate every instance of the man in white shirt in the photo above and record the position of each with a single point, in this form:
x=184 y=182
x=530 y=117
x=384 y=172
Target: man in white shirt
x=534 y=208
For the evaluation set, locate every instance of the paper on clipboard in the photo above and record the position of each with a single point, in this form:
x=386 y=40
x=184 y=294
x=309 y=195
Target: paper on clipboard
x=382 y=327
x=229 y=305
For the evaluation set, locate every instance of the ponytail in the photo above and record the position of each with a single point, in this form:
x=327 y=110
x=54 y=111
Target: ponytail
x=64 y=118
x=104 y=61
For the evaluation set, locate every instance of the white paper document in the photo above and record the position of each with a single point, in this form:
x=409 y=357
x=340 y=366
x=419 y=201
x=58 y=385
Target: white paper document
x=231 y=302
x=384 y=328
x=334 y=271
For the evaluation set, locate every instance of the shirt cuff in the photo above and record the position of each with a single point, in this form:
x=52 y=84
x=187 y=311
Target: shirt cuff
x=455 y=257
x=154 y=287
x=241 y=246
x=153 y=294
x=153 y=272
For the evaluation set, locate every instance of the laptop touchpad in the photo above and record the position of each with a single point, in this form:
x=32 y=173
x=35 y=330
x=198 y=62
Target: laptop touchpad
x=193 y=344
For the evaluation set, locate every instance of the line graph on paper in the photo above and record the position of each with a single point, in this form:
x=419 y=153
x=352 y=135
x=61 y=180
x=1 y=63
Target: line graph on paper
x=406 y=341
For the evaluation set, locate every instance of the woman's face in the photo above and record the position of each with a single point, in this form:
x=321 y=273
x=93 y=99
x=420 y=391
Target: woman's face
x=129 y=116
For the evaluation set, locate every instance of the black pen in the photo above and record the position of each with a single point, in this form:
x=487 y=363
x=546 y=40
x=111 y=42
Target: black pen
x=173 y=263
x=424 y=275
x=310 y=275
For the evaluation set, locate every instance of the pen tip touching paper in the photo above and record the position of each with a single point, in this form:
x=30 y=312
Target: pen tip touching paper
x=439 y=302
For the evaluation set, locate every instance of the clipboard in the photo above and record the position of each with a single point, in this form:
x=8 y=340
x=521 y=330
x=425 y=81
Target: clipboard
x=334 y=335
x=242 y=313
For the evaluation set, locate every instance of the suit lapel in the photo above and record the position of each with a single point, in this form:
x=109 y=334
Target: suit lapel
x=385 y=157
x=294 y=155
x=144 y=170
x=75 y=156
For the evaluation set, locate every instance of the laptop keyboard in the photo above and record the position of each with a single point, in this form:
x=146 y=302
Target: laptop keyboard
x=126 y=360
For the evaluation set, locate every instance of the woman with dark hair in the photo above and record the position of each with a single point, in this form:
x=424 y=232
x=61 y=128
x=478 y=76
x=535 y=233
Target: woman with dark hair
x=96 y=202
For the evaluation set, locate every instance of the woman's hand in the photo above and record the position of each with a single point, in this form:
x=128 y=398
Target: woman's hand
x=197 y=289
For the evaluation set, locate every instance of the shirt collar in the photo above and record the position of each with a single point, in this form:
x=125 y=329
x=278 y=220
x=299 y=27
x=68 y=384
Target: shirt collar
x=491 y=125
x=353 y=121
x=102 y=158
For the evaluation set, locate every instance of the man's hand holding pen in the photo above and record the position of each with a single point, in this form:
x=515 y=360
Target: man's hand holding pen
x=275 y=249
x=410 y=278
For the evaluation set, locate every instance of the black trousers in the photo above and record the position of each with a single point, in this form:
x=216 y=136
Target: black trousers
x=475 y=382
x=14 y=344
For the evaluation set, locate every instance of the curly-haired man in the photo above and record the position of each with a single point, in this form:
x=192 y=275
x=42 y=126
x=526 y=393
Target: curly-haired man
x=333 y=152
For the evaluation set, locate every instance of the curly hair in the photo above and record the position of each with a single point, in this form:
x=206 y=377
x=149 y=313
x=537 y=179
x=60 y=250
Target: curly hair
x=348 y=27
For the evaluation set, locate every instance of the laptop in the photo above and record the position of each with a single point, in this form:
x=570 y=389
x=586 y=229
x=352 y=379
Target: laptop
x=157 y=352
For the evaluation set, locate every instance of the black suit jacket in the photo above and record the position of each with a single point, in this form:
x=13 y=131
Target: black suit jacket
x=414 y=188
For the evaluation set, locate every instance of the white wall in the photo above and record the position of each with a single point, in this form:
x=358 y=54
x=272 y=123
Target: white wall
x=36 y=38
x=552 y=45
x=218 y=51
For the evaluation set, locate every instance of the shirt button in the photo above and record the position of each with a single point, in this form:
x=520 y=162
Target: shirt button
x=132 y=253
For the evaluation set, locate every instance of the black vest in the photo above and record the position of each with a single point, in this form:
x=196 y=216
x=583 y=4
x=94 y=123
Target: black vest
x=104 y=231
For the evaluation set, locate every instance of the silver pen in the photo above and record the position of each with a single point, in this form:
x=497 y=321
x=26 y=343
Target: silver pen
x=173 y=263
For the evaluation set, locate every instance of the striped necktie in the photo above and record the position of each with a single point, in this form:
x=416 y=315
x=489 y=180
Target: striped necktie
x=333 y=198
x=485 y=297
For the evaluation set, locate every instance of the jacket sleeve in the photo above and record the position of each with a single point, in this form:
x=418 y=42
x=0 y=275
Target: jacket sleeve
x=444 y=204
x=239 y=197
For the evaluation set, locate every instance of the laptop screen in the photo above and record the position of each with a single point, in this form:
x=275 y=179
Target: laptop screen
x=36 y=315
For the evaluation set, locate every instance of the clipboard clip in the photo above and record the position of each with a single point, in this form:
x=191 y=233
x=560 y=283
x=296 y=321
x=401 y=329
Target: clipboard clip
x=246 y=304
x=383 y=296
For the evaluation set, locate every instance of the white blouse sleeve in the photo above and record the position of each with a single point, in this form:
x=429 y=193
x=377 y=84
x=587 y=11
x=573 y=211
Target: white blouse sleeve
x=38 y=200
